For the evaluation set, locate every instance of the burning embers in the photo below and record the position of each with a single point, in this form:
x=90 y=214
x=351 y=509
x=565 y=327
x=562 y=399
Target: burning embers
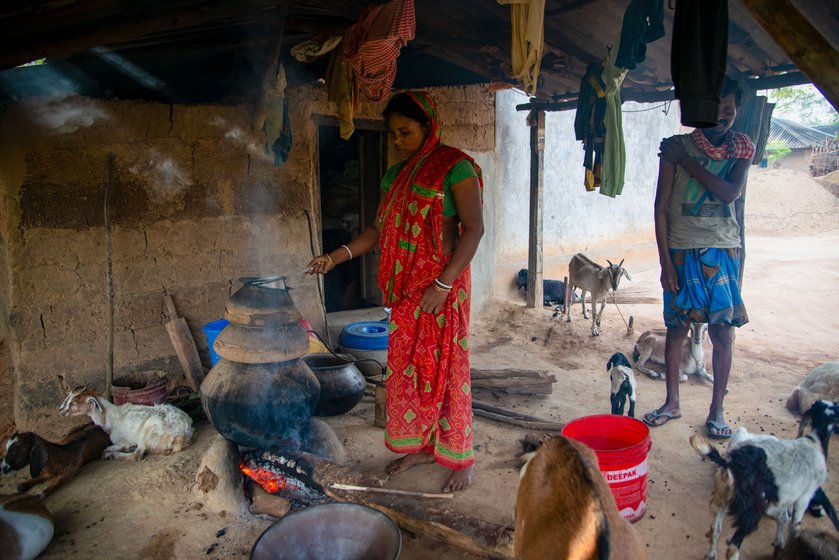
x=288 y=477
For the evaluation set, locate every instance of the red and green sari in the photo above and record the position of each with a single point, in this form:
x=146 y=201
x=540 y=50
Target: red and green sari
x=429 y=395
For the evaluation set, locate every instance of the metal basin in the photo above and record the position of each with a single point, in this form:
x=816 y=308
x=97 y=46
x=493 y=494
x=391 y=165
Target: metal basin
x=334 y=531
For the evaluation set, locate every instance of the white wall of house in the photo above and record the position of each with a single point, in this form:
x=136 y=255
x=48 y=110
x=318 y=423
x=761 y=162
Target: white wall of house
x=574 y=220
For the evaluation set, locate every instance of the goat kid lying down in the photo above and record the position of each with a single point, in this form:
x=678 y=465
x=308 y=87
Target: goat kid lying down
x=564 y=508
x=764 y=475
x=623 y=384
x=54 y=463
x=553 y=291
x=159 y=429
x=26 y=527
x=650 y=348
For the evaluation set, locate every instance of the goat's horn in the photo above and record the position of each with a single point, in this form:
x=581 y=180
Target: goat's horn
x=621 y=263
x=610 y=262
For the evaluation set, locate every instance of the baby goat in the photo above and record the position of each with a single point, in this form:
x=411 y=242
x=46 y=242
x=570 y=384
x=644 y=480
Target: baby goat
x=650 y=347
x=26 y=527
x=589 y=276
x=763 y=475
x=52 y=462
x=159 y=429
x=564 y=508
x=623 y=384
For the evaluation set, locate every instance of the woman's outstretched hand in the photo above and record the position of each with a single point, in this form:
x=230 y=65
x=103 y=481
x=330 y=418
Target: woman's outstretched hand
x=432 y=300
x=320 y=265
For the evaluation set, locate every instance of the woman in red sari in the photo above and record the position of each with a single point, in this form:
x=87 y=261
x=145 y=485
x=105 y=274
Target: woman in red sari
x=429 y=226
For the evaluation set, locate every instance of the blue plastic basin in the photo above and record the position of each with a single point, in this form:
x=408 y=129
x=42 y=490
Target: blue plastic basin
x=365 y=335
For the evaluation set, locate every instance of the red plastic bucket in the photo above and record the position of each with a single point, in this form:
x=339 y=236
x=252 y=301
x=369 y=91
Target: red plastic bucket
x=621 y=444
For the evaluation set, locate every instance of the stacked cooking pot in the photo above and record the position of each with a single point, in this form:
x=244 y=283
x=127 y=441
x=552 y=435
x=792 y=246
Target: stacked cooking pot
x=261 y=394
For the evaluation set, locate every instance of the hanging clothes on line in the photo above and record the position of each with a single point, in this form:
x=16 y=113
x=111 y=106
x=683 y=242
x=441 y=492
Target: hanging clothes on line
x=528 y=28
x=277 y=127
x=374 y=42
x=589 y=126
x=643 y=23
x=614 y=150
x=313 y=49
x=342 y=89
x=697 y=59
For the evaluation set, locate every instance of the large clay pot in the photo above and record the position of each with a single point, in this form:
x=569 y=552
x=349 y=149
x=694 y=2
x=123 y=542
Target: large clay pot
x=341 y=383
x=260 y=405
x=260 y=304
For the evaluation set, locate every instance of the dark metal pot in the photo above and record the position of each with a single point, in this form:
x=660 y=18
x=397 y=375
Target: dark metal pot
x=260 y=405
x=341 y=383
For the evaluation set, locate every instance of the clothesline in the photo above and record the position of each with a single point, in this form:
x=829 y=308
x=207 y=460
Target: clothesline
x=666 y=106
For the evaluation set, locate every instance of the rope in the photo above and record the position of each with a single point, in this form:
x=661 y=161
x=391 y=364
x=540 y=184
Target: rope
x=619 y=310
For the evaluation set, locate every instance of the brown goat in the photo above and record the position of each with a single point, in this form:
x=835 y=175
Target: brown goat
x=26 y=527
x=50 y=462
x=564 y=508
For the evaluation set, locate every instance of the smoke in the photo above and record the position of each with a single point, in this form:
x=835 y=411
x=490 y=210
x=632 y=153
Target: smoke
x=63 y=115
x=253 y=143
x=164 y=178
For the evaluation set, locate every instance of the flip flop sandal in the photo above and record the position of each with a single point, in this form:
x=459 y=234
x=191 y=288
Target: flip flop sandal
x=718 y=427
x=655 y=415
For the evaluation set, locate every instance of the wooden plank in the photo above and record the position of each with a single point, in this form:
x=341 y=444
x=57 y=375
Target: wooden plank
x=806 y=47
x=184 y=345
x=507 y=373
x=535 y=288
x=528 y=424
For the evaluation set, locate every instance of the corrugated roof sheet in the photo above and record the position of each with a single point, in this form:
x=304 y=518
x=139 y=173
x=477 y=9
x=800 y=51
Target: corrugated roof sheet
x=796 y=135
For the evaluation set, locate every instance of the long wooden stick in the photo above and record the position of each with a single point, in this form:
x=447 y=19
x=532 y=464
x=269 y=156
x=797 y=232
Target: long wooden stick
x=338 y=486
x=529 y=424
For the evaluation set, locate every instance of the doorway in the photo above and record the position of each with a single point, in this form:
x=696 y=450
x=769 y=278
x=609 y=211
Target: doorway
x=350 y=173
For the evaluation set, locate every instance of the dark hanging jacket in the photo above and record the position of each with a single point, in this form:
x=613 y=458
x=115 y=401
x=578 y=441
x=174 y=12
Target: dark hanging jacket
x=643 y=22
x=697 y=59
x=589 y=125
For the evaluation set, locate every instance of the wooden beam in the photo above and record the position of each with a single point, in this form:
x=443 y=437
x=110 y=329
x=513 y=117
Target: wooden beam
x=535 y=288
x=109 y=31
x=806 y=47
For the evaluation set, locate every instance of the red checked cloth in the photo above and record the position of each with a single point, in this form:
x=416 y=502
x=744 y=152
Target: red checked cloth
x=374 y=42
x=736 y=146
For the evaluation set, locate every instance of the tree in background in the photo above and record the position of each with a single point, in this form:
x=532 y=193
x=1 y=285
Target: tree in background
x=776 y=149
x=803 y=104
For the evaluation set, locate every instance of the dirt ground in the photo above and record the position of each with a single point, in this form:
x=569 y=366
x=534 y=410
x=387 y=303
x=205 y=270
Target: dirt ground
x=147 y=510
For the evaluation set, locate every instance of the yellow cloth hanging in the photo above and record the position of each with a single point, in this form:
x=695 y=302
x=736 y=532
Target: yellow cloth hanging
x=342 y=88
x=528 y=26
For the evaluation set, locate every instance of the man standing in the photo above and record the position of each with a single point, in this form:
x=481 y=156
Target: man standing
x=701 y=175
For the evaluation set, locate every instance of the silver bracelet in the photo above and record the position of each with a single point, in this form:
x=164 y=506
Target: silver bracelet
x=441 y=285
x=348 y=250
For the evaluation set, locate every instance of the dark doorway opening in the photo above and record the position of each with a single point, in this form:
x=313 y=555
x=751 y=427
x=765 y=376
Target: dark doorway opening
x=350 y=174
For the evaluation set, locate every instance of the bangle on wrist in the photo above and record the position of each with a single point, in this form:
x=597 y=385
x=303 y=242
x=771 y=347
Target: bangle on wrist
x=439 y=289
x=348 y=250
x=330 y=259
x=444 y=287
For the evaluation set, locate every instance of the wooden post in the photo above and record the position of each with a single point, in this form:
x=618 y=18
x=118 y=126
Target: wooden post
x=805 y=46
x=535 y=288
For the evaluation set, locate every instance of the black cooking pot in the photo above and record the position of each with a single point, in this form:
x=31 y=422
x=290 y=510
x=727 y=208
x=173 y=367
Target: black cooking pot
x=341 y=383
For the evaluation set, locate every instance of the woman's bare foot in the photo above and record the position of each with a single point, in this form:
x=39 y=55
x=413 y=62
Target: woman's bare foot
x=460 y=479
x=406 y=462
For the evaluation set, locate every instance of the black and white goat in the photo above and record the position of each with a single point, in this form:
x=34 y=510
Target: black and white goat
x=623 y=384
x=763 y=475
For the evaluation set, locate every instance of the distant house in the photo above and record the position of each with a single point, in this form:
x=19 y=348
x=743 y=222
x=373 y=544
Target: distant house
x=800 y=139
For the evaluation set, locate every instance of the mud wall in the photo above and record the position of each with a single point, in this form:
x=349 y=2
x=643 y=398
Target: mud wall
x=195 y=204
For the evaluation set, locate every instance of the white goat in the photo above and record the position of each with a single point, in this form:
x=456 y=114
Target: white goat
x=763 y=475
x=589 y=276
x=564 y=508
x=159 y=429
x=650 y=347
